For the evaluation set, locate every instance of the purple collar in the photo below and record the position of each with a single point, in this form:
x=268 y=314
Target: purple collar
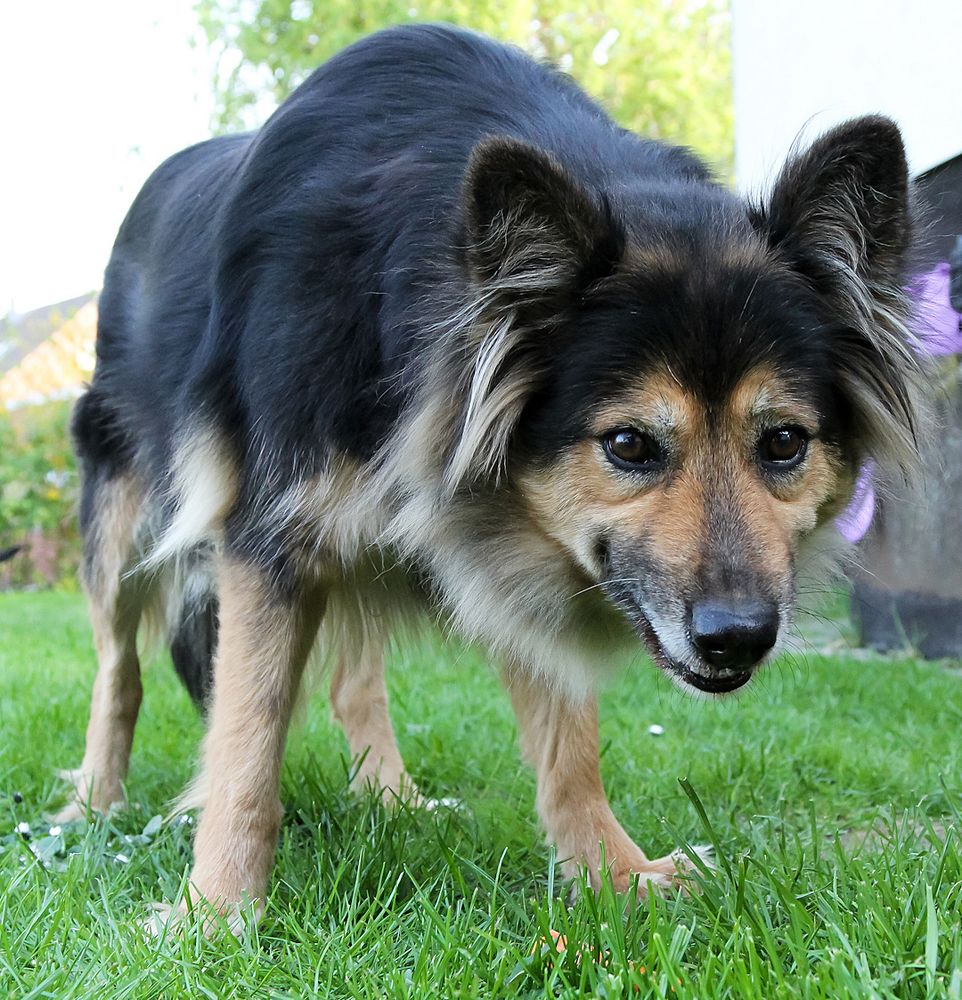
x=939 y=332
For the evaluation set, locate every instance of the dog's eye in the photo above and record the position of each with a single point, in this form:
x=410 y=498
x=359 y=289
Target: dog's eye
x=631 y=449
x=783 y=448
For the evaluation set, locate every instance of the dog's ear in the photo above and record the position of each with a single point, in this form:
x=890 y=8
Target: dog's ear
x=534 y=234
x=536 y=239
x=840 y=214
x=844 y=203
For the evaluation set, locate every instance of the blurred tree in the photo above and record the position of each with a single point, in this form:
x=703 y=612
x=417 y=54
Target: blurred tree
x=661 y=67
x=38 y=495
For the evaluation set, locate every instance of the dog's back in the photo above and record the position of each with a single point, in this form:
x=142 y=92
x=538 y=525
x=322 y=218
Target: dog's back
x=273 y=296
x=251 y=268
x=442 y=332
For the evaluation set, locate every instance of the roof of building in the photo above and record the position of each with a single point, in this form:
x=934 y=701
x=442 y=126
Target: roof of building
x=52 y=353
x=20 y=334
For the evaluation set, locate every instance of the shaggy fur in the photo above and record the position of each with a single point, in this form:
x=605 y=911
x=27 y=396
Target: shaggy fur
x=443 y=338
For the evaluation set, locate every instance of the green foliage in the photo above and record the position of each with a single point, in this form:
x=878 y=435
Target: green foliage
x=831 y=791
x=662 y=67
x=38 y=494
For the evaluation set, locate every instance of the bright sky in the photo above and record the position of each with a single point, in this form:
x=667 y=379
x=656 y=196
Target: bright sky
x=93 y=95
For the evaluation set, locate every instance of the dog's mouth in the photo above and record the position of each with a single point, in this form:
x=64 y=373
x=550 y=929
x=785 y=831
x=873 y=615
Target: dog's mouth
x=717 y=682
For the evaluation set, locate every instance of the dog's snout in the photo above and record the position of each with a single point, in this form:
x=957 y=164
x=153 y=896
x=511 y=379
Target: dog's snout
x=734 y=635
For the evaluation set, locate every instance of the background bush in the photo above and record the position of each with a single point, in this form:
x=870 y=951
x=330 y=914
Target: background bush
x=38 y=496
x=661 y=67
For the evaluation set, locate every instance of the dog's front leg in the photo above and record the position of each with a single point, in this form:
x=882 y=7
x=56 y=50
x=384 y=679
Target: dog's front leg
x=559 y=738
x=263 y=643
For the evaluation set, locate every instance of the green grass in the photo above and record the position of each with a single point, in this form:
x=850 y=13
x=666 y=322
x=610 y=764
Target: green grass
x=789 y=781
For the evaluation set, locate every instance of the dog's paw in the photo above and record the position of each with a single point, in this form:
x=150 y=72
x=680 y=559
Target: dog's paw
x=161 y=919
x=705 y=854
x=70 y=813
x=423 y=803
x=86 y=796
x=176 y=919
x=404 y=794
x=672 y=873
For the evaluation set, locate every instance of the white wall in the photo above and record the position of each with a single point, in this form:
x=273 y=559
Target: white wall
x=93 y=95
x=802 y=65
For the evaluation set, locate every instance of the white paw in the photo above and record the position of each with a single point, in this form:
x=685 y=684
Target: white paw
x=686 y=864
x=71 y=812
x=169 y=918
x=76 y=808
x=160 y=918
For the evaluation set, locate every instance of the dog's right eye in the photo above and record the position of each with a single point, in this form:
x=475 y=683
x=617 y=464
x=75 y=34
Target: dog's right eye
x=633 y=450
x=783 y=448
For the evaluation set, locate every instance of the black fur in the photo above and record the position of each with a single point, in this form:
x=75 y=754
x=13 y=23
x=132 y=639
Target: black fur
x=193 y=642
x=289 y=287
x=289 y=275
x=101 y=446
x=848 y=199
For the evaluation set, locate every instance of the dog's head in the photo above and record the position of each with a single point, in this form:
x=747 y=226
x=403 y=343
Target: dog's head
x=680 y=387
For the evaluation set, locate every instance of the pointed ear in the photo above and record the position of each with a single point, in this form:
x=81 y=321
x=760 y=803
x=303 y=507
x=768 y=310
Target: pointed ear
x=534 y=234
x=840 y=214
x=535 y=240
x=844 y=203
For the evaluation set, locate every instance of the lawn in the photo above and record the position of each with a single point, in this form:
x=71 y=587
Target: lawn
x=832 y=791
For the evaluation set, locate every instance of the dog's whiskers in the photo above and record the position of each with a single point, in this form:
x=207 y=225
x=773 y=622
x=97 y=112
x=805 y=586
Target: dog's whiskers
x=602 y=585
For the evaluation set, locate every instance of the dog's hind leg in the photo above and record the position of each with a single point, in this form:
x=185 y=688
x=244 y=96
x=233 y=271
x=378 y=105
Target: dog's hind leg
x=559 y=738
x=265 y=636
x=116 y=598
x=359 y=702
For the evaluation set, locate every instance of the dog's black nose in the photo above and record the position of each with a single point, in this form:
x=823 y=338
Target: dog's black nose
x=734 y=634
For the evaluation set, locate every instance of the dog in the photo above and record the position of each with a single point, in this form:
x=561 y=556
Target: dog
x=442 y=340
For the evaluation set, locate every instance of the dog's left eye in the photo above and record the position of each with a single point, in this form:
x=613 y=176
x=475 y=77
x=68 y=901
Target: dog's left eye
x=783 y=448
x=633 y=450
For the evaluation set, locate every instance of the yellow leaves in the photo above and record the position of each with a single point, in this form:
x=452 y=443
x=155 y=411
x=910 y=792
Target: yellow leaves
x=58 y=366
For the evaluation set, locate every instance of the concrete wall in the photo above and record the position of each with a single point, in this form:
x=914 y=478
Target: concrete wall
x=802 y=65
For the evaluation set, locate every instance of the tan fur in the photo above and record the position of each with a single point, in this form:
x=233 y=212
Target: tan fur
x=559 y=738
x=666 y=259
x=262 y=648
x=115 y=600
x=359 y=702
x=581 y=495
x=779 y=515
x=401 y=506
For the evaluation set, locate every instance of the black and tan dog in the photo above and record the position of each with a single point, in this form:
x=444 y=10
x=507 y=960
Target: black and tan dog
x=442 y=336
